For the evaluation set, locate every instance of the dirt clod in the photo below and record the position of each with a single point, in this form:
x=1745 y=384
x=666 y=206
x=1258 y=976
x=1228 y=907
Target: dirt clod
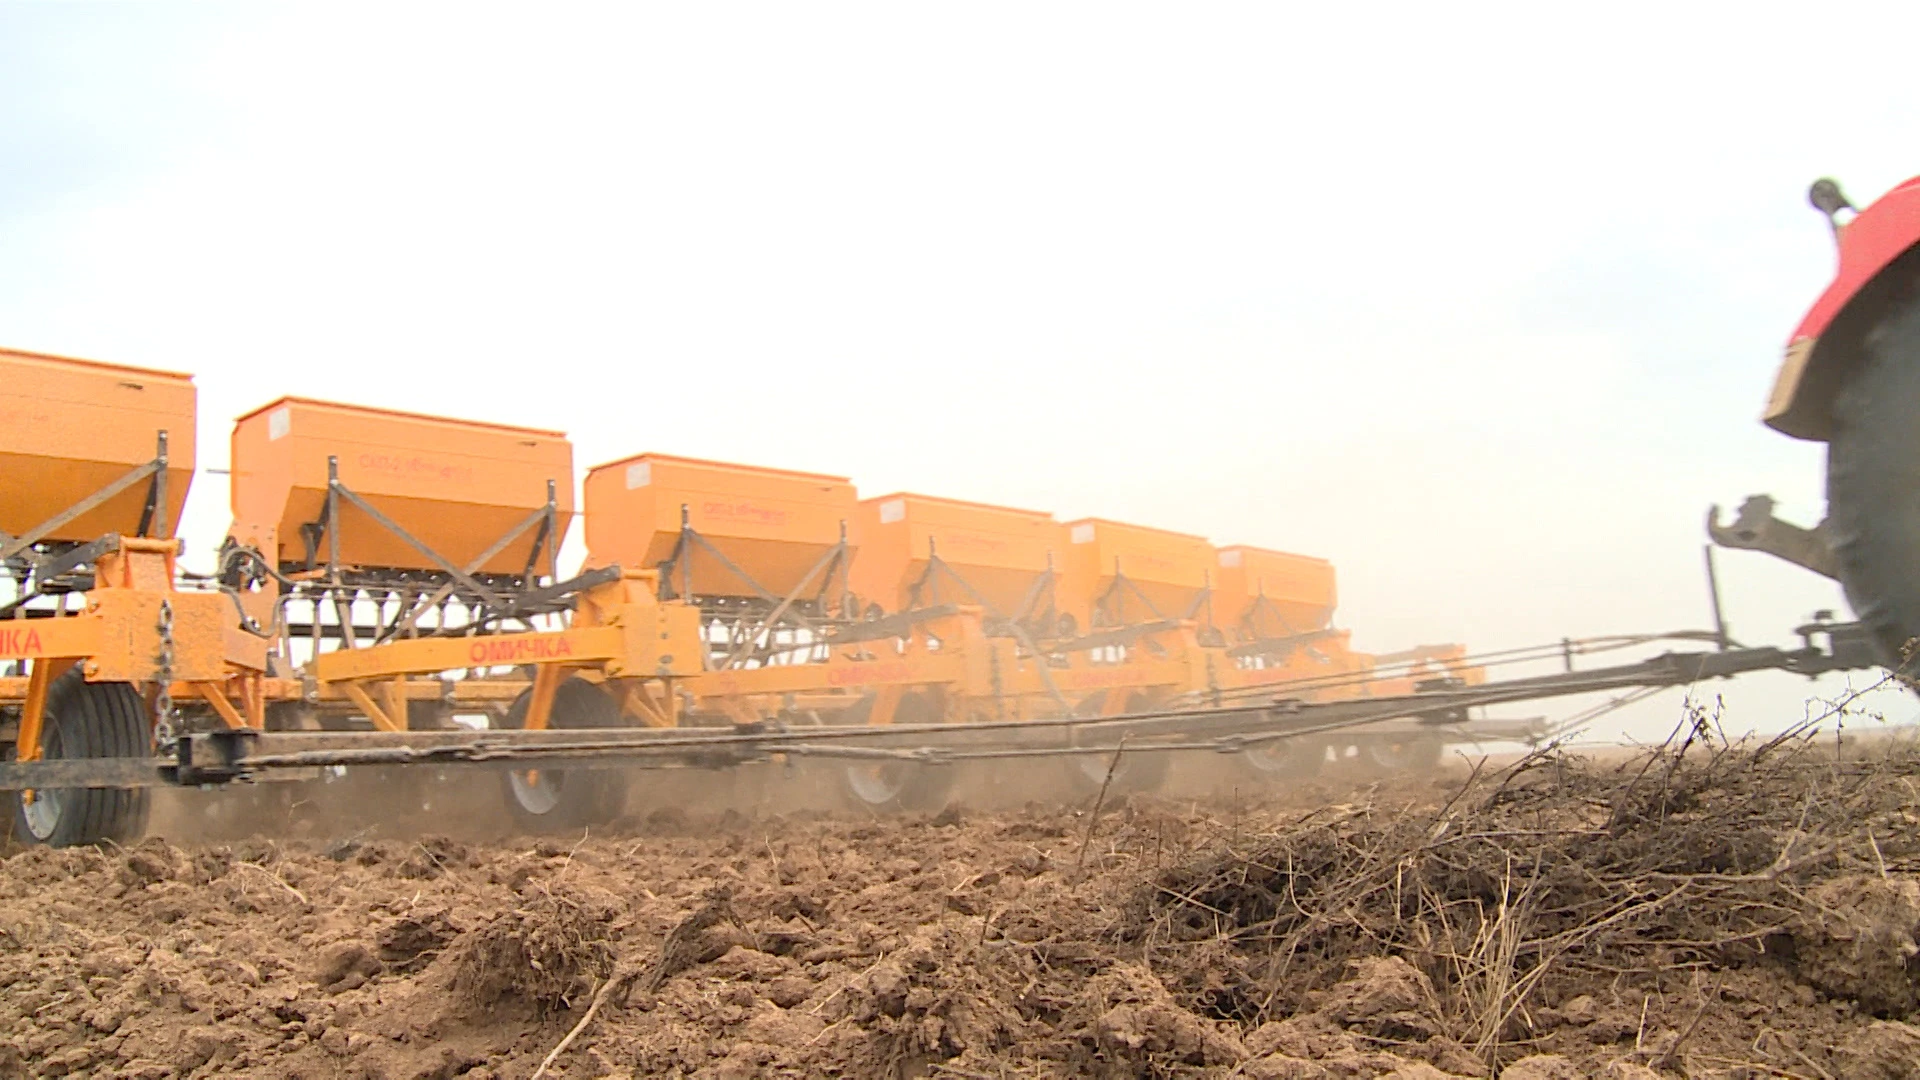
x=546 y=951
x=1387 y=997
x=346 y=966
x=152 y=861
x=1542 y=1067
x=408 y=944
x=1886 y=1050
x=1857 y=940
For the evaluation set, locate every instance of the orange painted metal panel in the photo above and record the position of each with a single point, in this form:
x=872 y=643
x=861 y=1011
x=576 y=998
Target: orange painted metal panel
x=774 y=524
x=1298 y=591
x=69 y=428
x=457 y=485
x=1168 y=568
x=999 y=551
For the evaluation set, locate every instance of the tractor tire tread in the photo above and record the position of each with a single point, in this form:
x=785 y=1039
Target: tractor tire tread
x=1873 y=483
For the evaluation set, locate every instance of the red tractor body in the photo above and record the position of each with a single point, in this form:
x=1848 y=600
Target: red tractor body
x=1876 y=239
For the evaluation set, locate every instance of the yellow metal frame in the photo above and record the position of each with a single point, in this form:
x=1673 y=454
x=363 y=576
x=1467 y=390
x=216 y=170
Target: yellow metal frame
x=116 y=637
x=951 y=651
x=620 y=634
x=980 y=676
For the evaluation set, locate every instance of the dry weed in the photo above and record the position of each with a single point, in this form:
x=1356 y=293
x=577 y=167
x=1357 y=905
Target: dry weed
x=1555 y=872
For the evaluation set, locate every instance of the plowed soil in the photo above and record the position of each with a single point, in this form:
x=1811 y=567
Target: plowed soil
x=1700 y=911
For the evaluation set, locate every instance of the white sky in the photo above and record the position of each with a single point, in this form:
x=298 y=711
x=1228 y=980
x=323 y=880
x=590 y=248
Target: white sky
x=1480 y=302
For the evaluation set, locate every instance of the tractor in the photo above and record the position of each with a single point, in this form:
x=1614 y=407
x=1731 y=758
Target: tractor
x=1851 y=379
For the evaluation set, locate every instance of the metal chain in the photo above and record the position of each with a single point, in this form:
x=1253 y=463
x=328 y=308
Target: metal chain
x=163 y=710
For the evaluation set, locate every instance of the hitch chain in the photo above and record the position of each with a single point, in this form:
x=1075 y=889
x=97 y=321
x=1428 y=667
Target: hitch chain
x=163 y=710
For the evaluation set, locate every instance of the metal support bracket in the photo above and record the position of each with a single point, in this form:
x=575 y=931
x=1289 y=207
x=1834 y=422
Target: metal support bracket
x=214 y=757
x=1754 y=528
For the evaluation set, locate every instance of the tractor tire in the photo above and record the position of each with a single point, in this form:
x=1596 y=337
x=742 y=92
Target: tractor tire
x=1873 y=486
x=87 y=720
x=565 y=800
x=896 y=786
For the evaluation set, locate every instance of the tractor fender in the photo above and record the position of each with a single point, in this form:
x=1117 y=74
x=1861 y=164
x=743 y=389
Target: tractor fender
x=1880 y=237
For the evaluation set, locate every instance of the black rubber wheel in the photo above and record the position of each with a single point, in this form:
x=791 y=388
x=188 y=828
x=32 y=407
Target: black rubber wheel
x=1137 y=771
x=562 y=800
x=1873 y=485
x=1285 y=759
x=87 y=720
x=1412 y=752
x=891 y=786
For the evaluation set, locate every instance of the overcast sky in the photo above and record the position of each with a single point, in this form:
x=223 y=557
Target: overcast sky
x=1480 y=302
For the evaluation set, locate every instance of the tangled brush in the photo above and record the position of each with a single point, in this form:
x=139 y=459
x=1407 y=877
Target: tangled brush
x=1699 y=854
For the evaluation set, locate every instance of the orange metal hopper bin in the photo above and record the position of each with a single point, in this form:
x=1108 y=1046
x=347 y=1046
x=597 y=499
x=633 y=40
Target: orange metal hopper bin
x=997 y=551
x=1168 y=570
x=1272 y=594
x=456 y=485
x=71 y=428
x=774 y=524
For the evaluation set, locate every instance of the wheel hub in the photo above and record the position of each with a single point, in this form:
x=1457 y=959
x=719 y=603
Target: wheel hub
x=876 y=784
x=41 y=812
x=537 y=791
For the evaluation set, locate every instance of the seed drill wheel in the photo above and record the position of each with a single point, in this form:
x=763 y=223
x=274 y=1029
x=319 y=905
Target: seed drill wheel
x=563 y=800
x=1136 y=771
x=86 y=720
x=897 y=785
x=1411 y=752
x=1286 y=759
x=1873 y=483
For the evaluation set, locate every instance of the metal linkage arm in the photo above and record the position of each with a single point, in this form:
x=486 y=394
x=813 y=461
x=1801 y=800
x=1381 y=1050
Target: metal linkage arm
x=1755 y=528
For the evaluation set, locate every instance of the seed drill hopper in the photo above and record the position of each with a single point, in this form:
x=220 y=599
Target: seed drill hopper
x=919 y=552
x=419 y=521
x=1275 y=609
x=763 y=553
